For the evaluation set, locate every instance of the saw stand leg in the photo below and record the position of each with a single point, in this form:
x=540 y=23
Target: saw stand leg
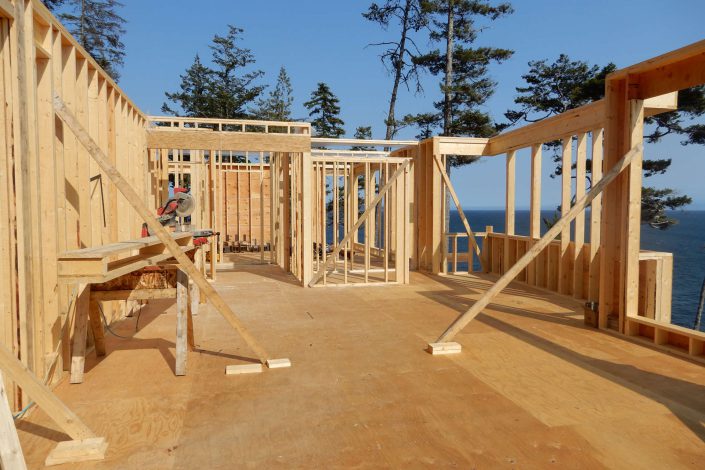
x=184 y=322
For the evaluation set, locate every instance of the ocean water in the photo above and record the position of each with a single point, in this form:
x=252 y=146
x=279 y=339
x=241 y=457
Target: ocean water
x=686 y=240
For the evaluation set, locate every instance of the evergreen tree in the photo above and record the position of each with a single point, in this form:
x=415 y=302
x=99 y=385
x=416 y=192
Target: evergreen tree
x=363 y=133
x=277 y=106
x=97 y=27
x=223 y=91
x=232 y=88
x=565 y=84
x=194 y=99
x=466 y=85
x=324 y=109
x=399 y=56
x=52 y=4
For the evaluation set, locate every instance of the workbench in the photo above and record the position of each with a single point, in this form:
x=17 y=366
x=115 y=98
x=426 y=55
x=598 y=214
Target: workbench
x=134 y=270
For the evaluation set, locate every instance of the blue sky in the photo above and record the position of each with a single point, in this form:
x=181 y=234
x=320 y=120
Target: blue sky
x=319 y=40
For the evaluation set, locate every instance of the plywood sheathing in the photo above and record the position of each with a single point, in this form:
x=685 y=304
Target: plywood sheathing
x=532 y=388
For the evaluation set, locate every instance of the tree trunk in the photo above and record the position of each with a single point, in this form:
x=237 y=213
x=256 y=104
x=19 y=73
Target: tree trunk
x=398 y=70
x=701 y=305
x=447 y=114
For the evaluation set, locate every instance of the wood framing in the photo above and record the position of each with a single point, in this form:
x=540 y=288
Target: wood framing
x=204 y=140
x=173 y=248
x=509 y=276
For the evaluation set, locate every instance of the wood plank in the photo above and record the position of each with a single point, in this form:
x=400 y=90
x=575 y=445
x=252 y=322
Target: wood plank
x=181 y=320
x=11 y=457
x=139 y=294
x=112 y=249
x=509 y=276
x=42 y=396
x=575 y=121
x=193 y=139
x=83 y=450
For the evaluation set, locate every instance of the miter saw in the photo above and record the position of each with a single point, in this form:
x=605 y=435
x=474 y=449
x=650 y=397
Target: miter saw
x=172 y=213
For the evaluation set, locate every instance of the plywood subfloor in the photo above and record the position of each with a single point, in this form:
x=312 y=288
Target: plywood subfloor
x=533 y=388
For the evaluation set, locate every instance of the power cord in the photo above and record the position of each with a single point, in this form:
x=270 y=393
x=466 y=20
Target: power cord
x=24 y=410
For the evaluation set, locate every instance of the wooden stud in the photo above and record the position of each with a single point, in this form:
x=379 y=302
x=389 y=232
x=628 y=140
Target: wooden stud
x=579 y=240
x=535 y=209
x=510 y=204
x=565 y=279
x=595 y=219
x=369 y=223
x=633 y=213
x=306 y=214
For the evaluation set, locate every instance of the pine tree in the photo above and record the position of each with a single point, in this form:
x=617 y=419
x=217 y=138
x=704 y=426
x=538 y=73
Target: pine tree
x=399 y=56
x=52 y=4
x=466 y=85
x=565 y=84
x=224 y=91
x=232 y=88
x=324 y=109
x=194 y=99
x=98 y=27
x=277 y=106
x=363 y=133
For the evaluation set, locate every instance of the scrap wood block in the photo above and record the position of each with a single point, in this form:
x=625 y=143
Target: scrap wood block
x=243 y=369
x=278 y=363
x=77 y=451
x=443 y=348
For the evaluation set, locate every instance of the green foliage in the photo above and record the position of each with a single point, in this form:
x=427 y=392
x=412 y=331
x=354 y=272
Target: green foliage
x=691 y=105
x=400 y=54
x=553 y=88
x=277 y=106
x=194 y=98
x=654 y=203
x=363 y=133
x=425 y=122
x=97 y=27
x=223 y=91
x=233 y=88
x=324 y=109
x=466 y=85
